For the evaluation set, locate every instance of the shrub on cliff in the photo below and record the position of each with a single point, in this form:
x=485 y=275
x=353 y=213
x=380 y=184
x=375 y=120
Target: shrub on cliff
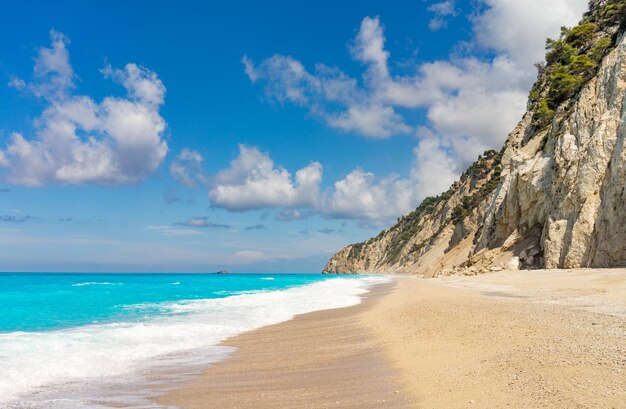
x=573 y=59
x=580 y=35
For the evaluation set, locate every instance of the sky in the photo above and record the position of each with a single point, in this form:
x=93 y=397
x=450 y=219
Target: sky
x=154 y=136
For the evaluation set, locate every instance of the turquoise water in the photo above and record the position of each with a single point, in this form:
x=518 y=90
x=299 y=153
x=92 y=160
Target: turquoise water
x=88 y=340
x=37 y=302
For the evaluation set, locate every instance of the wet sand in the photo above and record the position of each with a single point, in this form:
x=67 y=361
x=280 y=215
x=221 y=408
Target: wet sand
x=554 y=339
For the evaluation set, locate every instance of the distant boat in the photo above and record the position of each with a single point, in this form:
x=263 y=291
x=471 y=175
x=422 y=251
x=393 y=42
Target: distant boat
x=222 y=272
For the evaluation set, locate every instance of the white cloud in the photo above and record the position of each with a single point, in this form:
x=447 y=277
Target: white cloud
x=442 y=10
x=202 y=222
x=433 y=170
x=142 y=85
x=361 y=195
x=369 y=48
x=286 y=79
x=253 y=182
x=373 y=121
x=488 y=99
x=518 y=29
x=53 y=73
x=366 y=111
x=437 y=23
x=79 y=140
x=187 y=168
x=17 y=83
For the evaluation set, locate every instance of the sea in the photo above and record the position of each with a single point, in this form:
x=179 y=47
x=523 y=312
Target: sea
x=86 y=340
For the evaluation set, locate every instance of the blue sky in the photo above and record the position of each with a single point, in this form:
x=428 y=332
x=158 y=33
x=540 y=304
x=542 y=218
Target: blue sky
x=162 y=136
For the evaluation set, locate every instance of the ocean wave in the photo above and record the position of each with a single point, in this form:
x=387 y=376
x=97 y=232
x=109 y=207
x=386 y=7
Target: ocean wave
x=94 y=283
x=267 y=278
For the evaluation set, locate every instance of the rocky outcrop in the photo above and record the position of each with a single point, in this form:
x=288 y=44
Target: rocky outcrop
x=554 y=197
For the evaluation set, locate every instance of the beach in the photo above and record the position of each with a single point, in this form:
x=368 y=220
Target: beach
x=523 y=339
x=322 y=359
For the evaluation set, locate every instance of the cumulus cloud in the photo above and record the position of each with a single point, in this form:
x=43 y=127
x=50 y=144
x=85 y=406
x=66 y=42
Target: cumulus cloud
x=141 y=84
x=433 y=170
x=364 y=110
x=252 y=181
x=375 y=120
x=79 y=140
x=518 y=29
x=369 y=110
x=53 y=73
x=361 y=195
x=187 y=168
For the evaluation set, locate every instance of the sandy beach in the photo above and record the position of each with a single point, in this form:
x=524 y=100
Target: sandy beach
x=325 y=359
x=525 y=339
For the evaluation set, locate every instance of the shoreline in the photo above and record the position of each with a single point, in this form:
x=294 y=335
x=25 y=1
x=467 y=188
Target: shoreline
x=326 y=358
x=508 y=339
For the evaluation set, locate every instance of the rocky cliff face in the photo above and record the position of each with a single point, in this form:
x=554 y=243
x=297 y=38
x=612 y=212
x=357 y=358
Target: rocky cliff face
x=553 y=197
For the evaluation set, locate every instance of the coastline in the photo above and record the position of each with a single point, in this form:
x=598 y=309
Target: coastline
x=146 y=334
x=512 y=339
x=326 y=358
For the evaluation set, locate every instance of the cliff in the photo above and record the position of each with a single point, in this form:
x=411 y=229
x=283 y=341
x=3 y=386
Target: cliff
x=553 y=197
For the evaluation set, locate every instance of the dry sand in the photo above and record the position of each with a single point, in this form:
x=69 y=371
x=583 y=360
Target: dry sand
x=540 y=339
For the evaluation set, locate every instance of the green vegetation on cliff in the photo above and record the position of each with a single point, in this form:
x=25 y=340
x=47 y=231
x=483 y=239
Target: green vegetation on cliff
x=475 y=178
x=481 y=178
x=573 y=59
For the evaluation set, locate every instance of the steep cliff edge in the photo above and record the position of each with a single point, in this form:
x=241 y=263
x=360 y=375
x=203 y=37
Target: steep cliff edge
x=553 y=197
